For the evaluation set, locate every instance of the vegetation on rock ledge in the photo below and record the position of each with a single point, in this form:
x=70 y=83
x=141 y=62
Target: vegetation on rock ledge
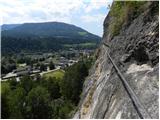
x=124 y=12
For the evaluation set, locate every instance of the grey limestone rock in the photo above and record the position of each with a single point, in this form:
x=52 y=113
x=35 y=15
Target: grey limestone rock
x=136 y=47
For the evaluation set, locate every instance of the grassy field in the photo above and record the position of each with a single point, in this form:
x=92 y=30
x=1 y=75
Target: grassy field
x=58 y=74
x=82 y=33
x=81 y=45
x=87 y=44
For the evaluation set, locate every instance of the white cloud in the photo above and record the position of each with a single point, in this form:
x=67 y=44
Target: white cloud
x=79 y=12
x=93 y=18
x=97 y=4
x=14 y=11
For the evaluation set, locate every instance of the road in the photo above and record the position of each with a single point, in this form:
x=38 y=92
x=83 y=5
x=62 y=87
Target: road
x=13 y=75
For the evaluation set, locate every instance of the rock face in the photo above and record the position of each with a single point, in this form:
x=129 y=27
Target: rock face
x=135 y=52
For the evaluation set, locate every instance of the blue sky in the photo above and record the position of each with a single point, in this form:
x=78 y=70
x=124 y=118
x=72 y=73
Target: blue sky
x=87 y=14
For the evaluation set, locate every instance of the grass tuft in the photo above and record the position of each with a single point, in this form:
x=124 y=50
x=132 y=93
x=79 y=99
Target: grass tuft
x=123 y=12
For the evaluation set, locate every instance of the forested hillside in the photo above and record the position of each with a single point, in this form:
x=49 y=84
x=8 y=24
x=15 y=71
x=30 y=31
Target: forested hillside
x=49 y=36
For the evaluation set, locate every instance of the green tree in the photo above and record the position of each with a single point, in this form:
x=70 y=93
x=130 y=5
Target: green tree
x=61 y=108
x=28 y=61
x=5 y=90
x=71 y=85
x=51 y=66
x=65 y=110
x=16 y=101
x=38 y=103
x=43 y=67
x=13 y=83
x=27 y=83
x=56 y=105
x=52 y=86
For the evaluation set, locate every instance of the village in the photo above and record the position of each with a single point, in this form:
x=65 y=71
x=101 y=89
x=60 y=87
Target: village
x=49 y=63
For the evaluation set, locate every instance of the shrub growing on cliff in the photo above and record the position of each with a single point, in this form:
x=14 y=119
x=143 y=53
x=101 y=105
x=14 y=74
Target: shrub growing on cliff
x=124 y=12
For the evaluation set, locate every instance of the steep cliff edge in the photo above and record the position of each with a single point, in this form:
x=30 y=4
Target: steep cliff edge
x=135 y=51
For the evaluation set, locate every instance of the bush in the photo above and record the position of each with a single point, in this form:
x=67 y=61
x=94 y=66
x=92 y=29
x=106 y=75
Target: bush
x=124 y=12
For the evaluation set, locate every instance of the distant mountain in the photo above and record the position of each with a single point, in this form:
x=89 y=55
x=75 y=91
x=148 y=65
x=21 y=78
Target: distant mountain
x=48 y=29
x=9 y=26
x=46 y=36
